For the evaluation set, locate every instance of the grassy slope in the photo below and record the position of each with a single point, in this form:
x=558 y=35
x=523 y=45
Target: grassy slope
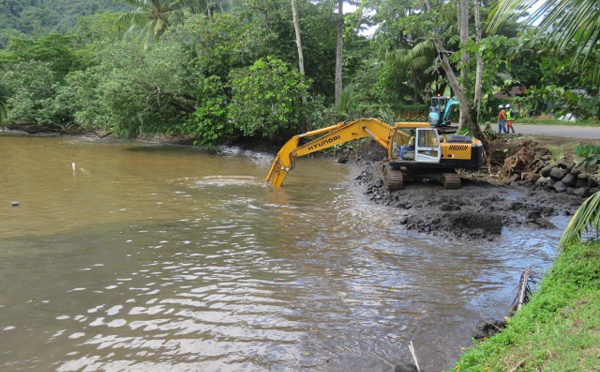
x=559 y=330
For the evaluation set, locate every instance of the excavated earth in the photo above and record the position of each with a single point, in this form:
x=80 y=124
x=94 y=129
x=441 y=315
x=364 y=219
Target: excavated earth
x=480 y=208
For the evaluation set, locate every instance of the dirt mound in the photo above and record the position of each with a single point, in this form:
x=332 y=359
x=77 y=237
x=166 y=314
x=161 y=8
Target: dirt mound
x=526 y=156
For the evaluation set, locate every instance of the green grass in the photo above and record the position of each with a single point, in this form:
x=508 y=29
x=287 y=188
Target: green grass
x=559 y=330
x=557 y=153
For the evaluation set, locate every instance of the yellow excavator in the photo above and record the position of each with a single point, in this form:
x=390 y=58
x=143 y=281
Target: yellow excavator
x=415 y=151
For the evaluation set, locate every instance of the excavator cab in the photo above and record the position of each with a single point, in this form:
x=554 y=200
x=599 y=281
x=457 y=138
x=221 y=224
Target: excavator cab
x=440 y=110
x=426 y=148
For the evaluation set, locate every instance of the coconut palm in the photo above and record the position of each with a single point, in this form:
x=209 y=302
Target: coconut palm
x=563 y=21
x=586 y=221
x=153 y=16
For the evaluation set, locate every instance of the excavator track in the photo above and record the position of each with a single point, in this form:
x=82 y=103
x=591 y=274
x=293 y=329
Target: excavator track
x=451 y=181
x=392 y=179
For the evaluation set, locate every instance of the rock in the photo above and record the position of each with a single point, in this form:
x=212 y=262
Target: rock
x=564 y=164
x=557 y=173
x=487 y=328
x=594 y=190
x=560 y=186
x=515 y=206
x=406 y=367
x=545 y=172
x=593 y=180
x=542 y=180
x=583 y=192
x=569 y=180
x=449 y=207
x=540 y=223
x=570 y=190
x=342 y=157
x=576 y=171
x=15 y=204
x=582 y=180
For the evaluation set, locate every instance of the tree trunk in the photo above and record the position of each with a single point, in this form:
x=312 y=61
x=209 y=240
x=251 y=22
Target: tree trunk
x=338 y=53
x=307 y=123
x=479 y=61
x=463 y=24
x=464 y=102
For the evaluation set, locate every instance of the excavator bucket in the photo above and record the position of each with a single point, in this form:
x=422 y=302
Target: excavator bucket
x=283 y=163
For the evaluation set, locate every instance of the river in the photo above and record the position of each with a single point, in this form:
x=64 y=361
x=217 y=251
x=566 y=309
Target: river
x=129 y=256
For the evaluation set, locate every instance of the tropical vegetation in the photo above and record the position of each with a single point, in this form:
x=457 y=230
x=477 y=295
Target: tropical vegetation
x=213 y=70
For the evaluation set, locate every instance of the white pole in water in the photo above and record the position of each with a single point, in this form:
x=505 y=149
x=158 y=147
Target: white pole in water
x=73 y=167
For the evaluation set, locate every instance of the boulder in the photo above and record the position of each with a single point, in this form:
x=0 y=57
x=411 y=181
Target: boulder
x=576 y=171
x=582 y=180
x=564 y=164
x=569 y=180
x=540 y=223
x=558 y=173
x=560 y=187
x=549 y=184
x=487 y=328
x=593 y=180
x=449 y=207
x=545 y=172
x=583 y=192
x=342 y=156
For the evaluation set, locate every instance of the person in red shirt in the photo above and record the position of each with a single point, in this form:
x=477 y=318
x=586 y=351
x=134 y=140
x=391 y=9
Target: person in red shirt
x=501 y=120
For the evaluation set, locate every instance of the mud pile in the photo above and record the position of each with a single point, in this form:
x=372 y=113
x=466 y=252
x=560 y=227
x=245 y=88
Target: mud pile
x=520 y=188
x=477 y=211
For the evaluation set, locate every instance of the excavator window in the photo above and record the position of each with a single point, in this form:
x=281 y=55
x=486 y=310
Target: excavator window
x=427 y=139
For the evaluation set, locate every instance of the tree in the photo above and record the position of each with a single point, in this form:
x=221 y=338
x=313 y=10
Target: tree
x=300 y=53
x=153 y=16
x=3 y=101
x=468 y=112
x=266 y=99
x=32 y=85
x=585 y=221
x=563 y=21
x=339 y=53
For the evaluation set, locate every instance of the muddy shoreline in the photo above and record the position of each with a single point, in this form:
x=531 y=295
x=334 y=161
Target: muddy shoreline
x=477 y=211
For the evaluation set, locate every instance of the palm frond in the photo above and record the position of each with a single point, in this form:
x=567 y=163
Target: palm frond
x=585 y=220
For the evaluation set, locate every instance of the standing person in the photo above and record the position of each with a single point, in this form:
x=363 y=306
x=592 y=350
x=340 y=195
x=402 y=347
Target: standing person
x=510 y=116
x=501 y=120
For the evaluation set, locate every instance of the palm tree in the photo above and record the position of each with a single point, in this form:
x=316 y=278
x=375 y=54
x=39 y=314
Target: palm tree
x=153 y=16
x=564 y=21
x=586 y=221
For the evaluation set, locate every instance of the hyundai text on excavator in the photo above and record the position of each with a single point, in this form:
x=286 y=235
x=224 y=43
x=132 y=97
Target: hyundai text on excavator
x=434 y=156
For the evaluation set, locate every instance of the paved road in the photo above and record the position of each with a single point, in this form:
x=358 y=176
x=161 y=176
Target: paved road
x=556 y=130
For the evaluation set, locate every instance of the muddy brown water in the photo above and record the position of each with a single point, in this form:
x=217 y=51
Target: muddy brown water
x=137 y=256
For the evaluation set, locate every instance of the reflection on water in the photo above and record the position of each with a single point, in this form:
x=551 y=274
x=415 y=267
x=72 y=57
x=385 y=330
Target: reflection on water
x=140 y=257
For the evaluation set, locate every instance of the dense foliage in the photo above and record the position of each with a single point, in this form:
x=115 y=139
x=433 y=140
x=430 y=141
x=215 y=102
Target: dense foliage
x=214 y=69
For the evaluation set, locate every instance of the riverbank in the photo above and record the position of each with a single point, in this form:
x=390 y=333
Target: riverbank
x=559 y=330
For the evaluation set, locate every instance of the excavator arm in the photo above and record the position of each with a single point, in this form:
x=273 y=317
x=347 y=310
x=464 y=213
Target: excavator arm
x=329 y=137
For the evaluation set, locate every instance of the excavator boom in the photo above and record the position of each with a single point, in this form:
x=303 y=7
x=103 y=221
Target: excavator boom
x=331 y=136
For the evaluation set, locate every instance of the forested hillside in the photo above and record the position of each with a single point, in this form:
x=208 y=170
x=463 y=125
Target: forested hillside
x=28 y=16
x=266 y=68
